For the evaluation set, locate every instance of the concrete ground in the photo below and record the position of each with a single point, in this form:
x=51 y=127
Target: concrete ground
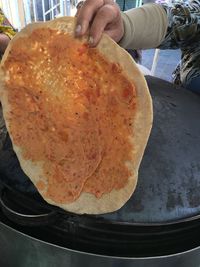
x=167 y=61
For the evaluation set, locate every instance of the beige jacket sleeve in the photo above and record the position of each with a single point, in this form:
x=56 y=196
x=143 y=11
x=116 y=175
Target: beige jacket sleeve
x=145 y=27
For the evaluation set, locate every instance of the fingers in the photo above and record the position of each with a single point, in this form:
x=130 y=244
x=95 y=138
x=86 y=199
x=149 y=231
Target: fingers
x=78 y=7
x=105 y=18
x=115 y=34
x=98 y=16
x=86 y=14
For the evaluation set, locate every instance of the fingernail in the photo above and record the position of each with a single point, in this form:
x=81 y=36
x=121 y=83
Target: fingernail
x=78 y=29
x=91 y=40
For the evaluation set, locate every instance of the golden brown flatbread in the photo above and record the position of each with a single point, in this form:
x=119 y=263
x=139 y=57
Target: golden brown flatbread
x=79 y=118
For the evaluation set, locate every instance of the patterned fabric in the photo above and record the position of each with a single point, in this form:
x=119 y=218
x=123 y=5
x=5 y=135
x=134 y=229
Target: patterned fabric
x=184 y=33
x=5 y=26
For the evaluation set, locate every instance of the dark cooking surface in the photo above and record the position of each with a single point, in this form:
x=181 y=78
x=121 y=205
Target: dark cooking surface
x=169 y=177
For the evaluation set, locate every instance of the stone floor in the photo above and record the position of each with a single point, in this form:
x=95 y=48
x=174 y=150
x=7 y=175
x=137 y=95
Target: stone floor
x=167 y=61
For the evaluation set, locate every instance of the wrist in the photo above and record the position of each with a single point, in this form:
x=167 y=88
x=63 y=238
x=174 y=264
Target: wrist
x=123 y=40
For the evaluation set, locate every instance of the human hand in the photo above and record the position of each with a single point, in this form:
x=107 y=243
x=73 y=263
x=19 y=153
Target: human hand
x=98 y=16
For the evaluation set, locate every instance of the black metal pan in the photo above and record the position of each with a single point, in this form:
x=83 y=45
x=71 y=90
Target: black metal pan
x=168 y=190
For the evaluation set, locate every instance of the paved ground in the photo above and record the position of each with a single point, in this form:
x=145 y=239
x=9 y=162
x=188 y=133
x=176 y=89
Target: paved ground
x=167 y=61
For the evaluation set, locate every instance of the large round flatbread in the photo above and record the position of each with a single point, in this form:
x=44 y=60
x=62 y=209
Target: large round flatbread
x=141 y=123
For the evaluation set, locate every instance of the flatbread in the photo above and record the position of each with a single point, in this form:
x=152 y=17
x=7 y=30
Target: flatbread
x=79 y=177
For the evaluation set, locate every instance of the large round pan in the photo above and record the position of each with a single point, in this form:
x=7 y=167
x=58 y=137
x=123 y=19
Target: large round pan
x=168 y=190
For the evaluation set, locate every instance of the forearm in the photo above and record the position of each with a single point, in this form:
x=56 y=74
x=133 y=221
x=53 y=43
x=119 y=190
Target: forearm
x=145 y=27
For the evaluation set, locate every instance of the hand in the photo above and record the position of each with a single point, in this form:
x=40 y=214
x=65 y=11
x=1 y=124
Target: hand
x=98 y=16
